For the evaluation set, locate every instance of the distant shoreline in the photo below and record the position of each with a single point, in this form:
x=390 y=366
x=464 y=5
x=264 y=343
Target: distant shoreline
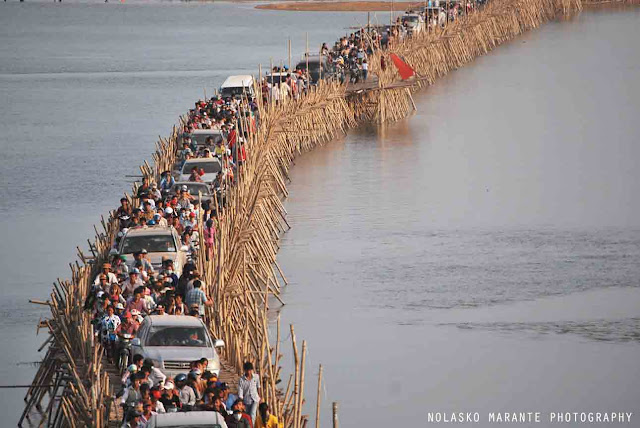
x=340 y=6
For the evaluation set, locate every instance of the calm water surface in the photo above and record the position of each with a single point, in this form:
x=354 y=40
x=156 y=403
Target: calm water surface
x=480 y=255
x=483 y=255
x=86 y=89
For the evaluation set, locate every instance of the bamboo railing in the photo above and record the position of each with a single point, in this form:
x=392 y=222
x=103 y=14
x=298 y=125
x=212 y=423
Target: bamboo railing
x=433 y=54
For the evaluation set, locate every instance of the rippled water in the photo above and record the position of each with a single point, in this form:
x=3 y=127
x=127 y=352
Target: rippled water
x=481 y=255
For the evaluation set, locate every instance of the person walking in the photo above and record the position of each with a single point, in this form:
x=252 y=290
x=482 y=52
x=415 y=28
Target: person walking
x=248 y=390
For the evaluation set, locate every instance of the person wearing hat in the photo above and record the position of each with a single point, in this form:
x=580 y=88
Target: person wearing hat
x=195 y=382
x=120 y=309
x=239 y=418
x=103 y=285
x=133 y=419
x=206 y=153
x=189 y=221
x=134 y=281
x=132 y=369
x=119 y=265
x=154 y=193
x=128 y=326
x=248 y=390
x=111 y=277
x=156 y=394
x=227 y=396
x=186 y=394
x=170 y=399
x=132 y=394
x=185 y=197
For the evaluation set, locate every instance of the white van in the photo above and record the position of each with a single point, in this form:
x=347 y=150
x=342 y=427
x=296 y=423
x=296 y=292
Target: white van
x=236 y=86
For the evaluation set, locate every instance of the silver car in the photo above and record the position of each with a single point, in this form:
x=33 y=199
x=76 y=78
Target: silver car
x=159 y=241
x=174 y=341
x=187 y=420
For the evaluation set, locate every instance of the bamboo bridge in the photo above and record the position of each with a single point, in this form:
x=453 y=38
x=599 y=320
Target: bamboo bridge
x=74 y=385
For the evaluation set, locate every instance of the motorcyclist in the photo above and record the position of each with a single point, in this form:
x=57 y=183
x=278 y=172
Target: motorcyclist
x=110 y=324
x=186 y=393
x=128 y=326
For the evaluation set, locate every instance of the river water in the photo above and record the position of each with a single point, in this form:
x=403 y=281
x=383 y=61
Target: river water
x=480 y=255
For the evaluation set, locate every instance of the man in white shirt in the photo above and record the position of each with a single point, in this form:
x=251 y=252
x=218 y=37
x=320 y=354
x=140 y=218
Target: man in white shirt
x=132 y=282
x=111 y=277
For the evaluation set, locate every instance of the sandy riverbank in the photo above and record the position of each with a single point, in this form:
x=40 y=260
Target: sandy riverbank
x=340 y=6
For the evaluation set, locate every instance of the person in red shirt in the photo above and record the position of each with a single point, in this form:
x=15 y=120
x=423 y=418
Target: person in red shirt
x=128 y=325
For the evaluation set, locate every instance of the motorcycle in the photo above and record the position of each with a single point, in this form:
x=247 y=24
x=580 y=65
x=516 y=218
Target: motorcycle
x=125 y=352
x=109 y=340
x=355 y=74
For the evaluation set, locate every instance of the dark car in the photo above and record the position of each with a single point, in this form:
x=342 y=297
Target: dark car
x=319 y=67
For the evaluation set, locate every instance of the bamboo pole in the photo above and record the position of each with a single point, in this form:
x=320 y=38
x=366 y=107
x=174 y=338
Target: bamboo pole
x=318 y=397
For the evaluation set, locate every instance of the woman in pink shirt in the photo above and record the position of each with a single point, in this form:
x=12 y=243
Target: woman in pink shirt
x=209 y=236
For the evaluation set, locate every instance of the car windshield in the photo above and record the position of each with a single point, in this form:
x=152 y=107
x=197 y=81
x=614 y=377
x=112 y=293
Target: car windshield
x=233 y=91
x=313 y=66
x=194 y=188
x=201 y=139
x=208 y=167
x=178 y=336
x=277 y=78
x=151 y=243
x=410 y=19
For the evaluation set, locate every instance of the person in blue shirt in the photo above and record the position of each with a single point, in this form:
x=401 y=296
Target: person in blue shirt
x=226 y=395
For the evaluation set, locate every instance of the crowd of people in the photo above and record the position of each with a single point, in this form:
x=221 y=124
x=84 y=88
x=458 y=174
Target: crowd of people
x=146 y=391
x=123 y=293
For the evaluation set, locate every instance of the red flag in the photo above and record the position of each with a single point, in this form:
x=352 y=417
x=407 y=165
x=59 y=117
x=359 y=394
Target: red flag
x=403 y=68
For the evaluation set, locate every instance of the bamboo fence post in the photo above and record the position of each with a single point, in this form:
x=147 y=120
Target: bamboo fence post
x=296 y=382
x=319 y=397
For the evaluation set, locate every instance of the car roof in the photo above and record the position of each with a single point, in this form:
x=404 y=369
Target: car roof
x=175 y=320
x=200 y=160
x=206 y=132
x=190 y=183
x=238 y=81
x=184 y=418
x=150 y=230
